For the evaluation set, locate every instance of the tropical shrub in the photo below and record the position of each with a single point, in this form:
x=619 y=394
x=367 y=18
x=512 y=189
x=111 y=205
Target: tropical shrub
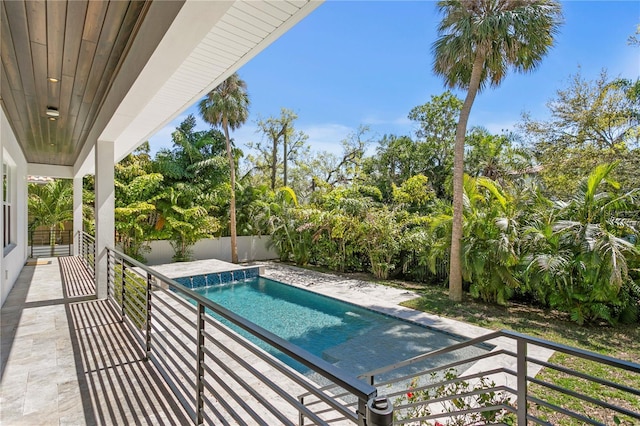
x=577 y=257
x=490 y=246
x=381 y=241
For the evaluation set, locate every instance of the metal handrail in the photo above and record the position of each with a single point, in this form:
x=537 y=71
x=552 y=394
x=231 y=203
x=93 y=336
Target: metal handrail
x=156 y=288
x=346 y=393
x=521 y=394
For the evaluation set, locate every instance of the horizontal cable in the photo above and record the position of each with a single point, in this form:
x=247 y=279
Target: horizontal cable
x=233 y=395
x=585 y=376
x=286 y=370
x=252 y=391
x=583 y=397
x=177 y=312
x=564 y=411
x=188 y=392
x=219 y=416
x=439 y=368
x=432 y=354
x=160 y=314
x=292 y=400
x=190 y=350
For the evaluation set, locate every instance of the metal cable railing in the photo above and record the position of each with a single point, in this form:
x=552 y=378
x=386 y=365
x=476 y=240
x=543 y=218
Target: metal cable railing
x=50 y=243
x=218 y=375
x=87 y=251
x=501 y=386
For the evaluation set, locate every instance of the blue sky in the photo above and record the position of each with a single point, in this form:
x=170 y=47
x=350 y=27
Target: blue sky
x=352 y=63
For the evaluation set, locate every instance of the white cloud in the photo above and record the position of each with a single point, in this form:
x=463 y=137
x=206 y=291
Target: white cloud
x=327 y=137
x=497 y=128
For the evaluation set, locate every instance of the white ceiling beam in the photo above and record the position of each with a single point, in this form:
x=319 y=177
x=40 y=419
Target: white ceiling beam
x=50 y=170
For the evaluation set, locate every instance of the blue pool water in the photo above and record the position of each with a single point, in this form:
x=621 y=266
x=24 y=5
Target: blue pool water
x=351 y=337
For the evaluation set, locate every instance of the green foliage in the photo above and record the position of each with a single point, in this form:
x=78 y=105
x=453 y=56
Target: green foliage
x=135 y=211
x=592 y=123
x=577 y=258
x=495 y=156
x=416 y=193
x=50 y=205
x=490 y=255
x=436 y=120
x=184 y=221
x=283 y=145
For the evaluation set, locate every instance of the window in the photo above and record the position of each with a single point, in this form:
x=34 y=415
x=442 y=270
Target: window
x=6 y=204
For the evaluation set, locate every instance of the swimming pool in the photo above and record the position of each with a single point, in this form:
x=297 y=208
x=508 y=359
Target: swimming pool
x=353 y=338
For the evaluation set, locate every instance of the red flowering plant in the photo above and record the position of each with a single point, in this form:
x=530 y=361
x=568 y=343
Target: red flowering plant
x=412 y=406
x=415 y=404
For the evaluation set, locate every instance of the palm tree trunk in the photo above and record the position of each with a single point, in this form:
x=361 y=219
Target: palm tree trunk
x=455 y=264
x=284 y=145
x=52 y=239
x=274 y=163
x=232 y=202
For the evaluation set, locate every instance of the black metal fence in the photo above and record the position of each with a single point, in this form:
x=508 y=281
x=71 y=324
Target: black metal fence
x=503 y=388
x=50 y=243
x=219 y=376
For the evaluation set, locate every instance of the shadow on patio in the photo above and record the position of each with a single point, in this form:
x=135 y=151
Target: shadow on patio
x=67 y=358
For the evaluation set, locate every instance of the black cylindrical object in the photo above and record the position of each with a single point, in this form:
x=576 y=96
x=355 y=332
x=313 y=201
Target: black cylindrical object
x=379 y=412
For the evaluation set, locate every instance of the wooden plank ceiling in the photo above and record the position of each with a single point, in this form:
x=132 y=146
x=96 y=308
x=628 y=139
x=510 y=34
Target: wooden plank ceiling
x=63 y=55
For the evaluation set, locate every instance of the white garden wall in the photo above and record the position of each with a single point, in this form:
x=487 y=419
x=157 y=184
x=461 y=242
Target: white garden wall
x=249 y=249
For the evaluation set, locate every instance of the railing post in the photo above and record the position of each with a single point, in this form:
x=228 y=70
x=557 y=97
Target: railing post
x=83 y=247
x=300 y=415
x=148 y=336
x=200 y=367
x=111 y=273
x=522 y=381
x=123 y=289
x=362 y=412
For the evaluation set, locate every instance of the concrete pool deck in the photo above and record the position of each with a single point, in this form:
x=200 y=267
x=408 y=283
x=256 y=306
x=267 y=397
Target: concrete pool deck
x=376 y=297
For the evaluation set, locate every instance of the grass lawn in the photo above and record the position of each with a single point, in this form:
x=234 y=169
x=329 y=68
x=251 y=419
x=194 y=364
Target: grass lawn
x=621 y=342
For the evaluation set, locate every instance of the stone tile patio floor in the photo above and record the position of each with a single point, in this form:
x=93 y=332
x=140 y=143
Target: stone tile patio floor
x=68 y=360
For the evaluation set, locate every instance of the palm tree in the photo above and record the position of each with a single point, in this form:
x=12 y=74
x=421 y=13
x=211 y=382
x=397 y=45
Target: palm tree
x=228 y=106
x=478 y=41
x=51 y=205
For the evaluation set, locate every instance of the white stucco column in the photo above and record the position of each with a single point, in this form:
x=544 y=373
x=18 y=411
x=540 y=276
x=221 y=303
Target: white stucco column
x=104 y=211
x=77 y=214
